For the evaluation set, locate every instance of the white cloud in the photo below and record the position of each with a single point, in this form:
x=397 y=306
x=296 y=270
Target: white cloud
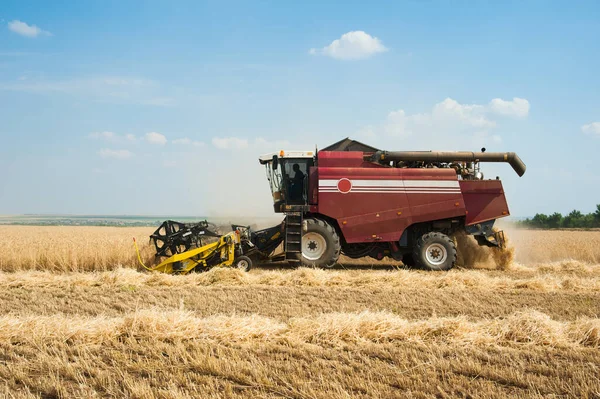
x=230 y=143
x=115 y=154
x=112 y=137
x=451 y=110
x=449 y=124
x=259 y=143
x=591 y=128
x=187 y=141
x=156 y=138
x=271 y=145
x=366 y=133
x=396 y=124
x=112 y=89
x=184 y=141
x=352 y=46
x=23 y=29
x=482 y=137
x=518 y=107
x=448 y=115
x=102 y=135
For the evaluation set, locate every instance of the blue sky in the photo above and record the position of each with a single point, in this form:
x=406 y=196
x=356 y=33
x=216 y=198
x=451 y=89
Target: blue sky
x=111 y=107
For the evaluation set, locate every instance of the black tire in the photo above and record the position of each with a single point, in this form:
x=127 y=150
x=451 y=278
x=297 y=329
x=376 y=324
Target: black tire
x=408 y=260
x=435 y=245
x=331 y=252
x=243 y=263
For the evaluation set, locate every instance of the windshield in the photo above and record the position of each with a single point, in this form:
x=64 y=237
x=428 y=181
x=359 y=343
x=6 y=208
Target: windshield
x=274 y=177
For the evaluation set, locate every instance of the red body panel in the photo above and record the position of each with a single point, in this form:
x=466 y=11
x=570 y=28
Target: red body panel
x=484 y=200
x=372 y=202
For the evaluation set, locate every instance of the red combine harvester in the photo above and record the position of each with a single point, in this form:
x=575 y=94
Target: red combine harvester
x=356 y=200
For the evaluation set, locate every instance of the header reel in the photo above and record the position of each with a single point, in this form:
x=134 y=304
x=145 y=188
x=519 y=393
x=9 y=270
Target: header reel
x=175 y=237
x=198 y=247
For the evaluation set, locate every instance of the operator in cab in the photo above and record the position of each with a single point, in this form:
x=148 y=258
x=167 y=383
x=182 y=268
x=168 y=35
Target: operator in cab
x=297 y=183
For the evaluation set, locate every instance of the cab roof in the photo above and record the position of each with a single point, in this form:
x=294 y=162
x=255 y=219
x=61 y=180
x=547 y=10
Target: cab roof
x=266 y=158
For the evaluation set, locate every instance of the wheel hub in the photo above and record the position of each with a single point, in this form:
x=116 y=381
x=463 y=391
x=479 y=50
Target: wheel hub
x=313 y=246
x=436 y=254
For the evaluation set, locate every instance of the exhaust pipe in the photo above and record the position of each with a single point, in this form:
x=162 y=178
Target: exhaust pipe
x=457 y=156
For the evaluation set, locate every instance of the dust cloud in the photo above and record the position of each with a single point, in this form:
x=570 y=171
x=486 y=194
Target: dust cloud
x=473 y=256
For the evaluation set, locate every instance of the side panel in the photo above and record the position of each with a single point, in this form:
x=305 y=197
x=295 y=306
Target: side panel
x=484 y=200
x=377 y=204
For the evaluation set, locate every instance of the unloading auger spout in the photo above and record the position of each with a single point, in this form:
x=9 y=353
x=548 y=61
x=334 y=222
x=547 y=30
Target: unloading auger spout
x=446 y=156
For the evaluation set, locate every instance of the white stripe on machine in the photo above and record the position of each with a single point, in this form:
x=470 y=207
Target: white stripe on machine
x=391 y=186
x=392 y=183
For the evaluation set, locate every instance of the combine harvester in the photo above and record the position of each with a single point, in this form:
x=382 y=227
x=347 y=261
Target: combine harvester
x=356 y=200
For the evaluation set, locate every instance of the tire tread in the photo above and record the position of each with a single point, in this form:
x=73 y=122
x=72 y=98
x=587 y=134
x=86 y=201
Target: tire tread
x=336 y=240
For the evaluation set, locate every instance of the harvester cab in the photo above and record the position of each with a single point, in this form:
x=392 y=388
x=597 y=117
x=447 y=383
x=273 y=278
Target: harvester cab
x=288 y=175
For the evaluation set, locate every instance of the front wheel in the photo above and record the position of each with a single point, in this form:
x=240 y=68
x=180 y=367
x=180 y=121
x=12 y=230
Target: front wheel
x=435 y=251
x=320 y=244
x=243 y=263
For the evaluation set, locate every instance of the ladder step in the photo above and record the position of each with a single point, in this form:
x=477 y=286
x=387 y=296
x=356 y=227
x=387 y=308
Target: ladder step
x=293 y=234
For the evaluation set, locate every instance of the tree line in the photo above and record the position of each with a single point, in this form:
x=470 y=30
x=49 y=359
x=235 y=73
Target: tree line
x=573 y=220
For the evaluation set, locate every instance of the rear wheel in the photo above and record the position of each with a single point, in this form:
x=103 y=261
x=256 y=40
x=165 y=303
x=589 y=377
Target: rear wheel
x=243 y=263
x=320 y=244
x=435 y=251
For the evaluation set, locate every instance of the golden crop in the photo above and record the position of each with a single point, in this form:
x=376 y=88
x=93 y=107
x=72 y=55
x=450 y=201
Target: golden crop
x=72 y=248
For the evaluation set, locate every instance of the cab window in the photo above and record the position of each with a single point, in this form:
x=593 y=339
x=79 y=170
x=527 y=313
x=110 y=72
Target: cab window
x=296 y=179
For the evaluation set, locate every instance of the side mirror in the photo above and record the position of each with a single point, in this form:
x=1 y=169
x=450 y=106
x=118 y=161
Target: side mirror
x=275 y=162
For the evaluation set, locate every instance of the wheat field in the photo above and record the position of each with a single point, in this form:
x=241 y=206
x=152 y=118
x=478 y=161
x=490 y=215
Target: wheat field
x=79 y=319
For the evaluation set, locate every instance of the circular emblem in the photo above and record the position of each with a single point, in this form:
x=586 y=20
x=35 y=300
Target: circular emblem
x=344 y=186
